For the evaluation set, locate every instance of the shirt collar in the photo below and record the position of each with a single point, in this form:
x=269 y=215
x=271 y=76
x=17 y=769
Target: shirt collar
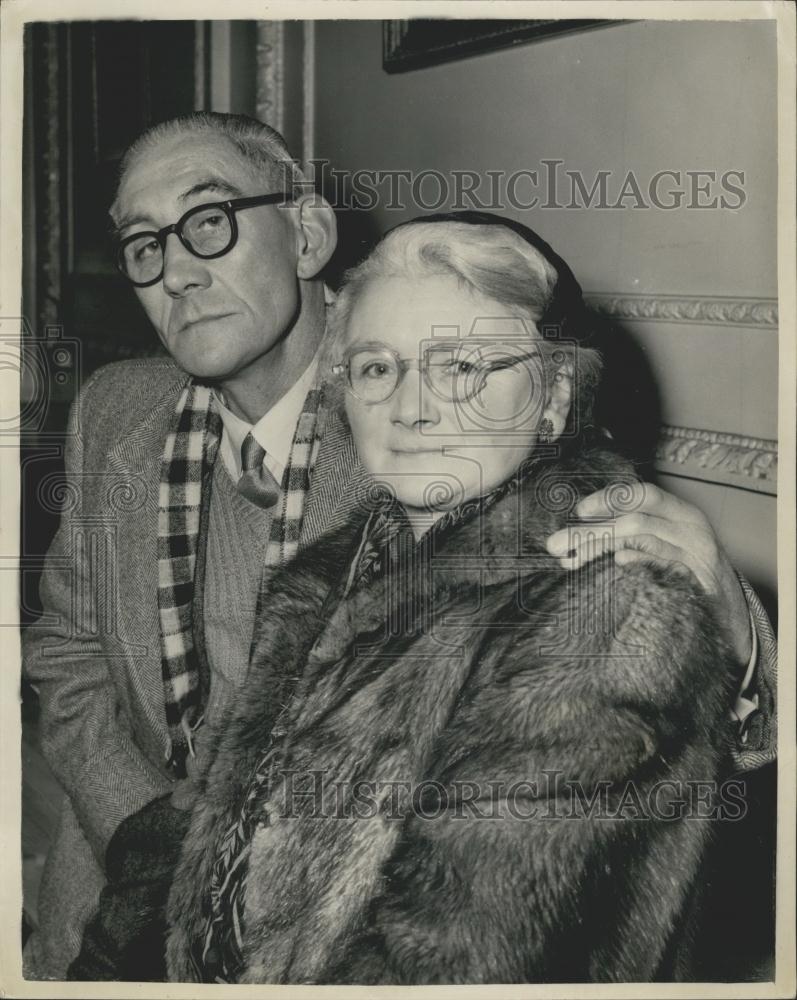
x=274 y=431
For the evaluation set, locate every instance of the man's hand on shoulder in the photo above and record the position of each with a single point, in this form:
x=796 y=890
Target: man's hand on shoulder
x=658 y=528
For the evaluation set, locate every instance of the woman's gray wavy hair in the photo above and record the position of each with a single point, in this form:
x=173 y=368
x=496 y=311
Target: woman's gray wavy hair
x=490 y=260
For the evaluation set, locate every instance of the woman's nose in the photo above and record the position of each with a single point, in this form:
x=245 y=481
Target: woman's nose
x=182 y=270
x=412 y=403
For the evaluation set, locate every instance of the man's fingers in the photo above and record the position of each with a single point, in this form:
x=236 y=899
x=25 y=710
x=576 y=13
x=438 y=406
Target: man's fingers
x=582 y=547
x=620 y=498
x=637 y=548
x=689 y=537
x=615 y=499
x=594 y=545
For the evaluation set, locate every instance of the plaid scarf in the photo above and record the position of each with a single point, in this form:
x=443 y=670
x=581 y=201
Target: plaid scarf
x=189 y=453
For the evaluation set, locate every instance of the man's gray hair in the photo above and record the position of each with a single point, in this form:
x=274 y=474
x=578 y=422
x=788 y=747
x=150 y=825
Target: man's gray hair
x=259 y=144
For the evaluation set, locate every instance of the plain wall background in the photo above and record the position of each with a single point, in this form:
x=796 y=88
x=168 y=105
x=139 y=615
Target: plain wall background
x=642 y=96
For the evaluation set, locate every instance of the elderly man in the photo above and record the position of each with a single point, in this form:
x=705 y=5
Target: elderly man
x=226 y=460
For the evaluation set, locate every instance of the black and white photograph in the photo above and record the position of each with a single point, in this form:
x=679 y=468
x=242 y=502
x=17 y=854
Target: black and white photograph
x=393 y=522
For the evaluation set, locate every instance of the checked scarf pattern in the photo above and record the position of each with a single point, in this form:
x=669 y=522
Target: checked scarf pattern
x=189 y=453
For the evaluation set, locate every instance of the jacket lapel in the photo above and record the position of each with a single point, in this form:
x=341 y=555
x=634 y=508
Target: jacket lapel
x=338 y=484
x=140 y=449
x=137 y=457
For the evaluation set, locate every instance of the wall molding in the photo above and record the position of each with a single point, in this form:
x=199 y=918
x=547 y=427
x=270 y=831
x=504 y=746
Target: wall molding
x=50 y=178
x=270 y=73
x=201 y=66
x=722 y=310
x=308 y=92
x=717 y=457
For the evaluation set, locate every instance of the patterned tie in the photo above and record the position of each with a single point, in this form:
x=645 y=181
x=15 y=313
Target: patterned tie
x=257 y=483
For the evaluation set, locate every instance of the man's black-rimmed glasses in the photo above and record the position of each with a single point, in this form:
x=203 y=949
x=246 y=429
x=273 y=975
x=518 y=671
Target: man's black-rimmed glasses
x=206 y=231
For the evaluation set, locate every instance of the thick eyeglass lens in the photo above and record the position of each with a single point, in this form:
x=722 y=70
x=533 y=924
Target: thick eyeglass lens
x=142 y=259
x=454 y=373
x=207 y=232
x=373 y=375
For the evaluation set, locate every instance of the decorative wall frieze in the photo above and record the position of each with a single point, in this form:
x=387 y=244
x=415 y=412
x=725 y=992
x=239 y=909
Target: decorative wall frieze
x=714 y=456
x=723 y=310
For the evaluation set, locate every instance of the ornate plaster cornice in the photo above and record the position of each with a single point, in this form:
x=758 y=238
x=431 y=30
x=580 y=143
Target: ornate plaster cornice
x=751 y=463
x=723 y=310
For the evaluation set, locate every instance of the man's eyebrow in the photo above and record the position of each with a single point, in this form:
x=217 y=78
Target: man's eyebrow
x=214 y=185
x=117 y=228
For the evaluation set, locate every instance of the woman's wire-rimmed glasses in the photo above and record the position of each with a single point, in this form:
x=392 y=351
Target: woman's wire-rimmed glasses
x=206 y=231
x=453 y=372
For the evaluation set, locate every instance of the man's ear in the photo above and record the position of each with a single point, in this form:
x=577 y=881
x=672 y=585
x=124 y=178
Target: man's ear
x=316 y=234
x=560 y=398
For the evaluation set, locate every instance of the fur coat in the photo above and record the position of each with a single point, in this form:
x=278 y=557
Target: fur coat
x=474 y=774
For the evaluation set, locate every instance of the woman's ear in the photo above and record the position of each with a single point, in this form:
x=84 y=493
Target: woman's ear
x=316 y=234
x=560 y=399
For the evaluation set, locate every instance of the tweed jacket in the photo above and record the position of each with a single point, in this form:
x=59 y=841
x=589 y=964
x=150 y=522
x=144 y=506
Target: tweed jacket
x=412 y=828
x=94 y=656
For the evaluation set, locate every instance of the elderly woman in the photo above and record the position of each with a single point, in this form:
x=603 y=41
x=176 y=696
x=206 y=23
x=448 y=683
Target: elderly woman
x=455 y=761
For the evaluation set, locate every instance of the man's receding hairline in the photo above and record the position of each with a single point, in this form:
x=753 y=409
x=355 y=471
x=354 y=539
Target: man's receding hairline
x=152 y=144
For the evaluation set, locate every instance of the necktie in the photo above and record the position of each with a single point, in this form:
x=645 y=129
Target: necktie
x=256 y=483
